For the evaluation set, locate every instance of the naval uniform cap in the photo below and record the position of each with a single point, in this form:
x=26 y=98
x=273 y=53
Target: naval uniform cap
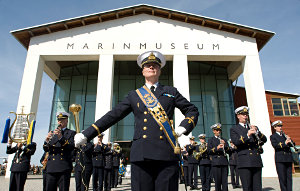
x=116 y=144
x=216 y=126
x=242 y=109
x=192 y=138
x=202 y=136
x=277 y=123
x=62 y=115
x=151 y=57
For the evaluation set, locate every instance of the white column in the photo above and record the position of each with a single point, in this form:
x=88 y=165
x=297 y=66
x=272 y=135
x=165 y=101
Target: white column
x=30 y=90
x=259 y=114
x=181 y=82
x=105 y=89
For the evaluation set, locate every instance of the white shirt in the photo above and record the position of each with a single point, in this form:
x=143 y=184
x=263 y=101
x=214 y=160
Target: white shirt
x=149 y=86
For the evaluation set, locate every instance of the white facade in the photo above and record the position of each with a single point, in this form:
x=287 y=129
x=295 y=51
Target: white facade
x=126 y=38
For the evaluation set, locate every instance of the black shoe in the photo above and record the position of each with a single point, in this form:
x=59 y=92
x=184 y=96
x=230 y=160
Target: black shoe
x=192 y=188
x=238 y=186
x=234 y=186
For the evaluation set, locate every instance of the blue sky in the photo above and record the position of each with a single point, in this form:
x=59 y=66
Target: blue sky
x=279 y=58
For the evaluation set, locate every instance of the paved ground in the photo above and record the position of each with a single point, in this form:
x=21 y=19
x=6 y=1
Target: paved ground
x=35 y=183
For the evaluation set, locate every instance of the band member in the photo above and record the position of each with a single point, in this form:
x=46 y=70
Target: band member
x=234 y=173
x=193 y=164
x=98 y=163
x=44 y=161
x=154 y=166
x=83 y=166
x=248 y=141
x=108 y=165
x=117 y=155
x=204 y=163
x=217 y=148
x=283 y=156
x=60 y=145
x=20 y=164
x=185 y=155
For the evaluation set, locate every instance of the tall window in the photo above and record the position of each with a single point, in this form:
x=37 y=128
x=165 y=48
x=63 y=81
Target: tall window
x=76 y=84
x=211 y=92
x=285 y=107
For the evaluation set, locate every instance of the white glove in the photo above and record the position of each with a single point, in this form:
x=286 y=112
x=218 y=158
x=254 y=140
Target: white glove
x=79 y=139
x=180 y=130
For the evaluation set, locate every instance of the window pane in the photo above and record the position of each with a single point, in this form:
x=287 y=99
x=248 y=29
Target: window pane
x=278 y=113
x=295 y=112
x=276 y=106
x=276 y=100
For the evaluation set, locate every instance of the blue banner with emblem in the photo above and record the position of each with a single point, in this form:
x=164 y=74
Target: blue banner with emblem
x=158 y=113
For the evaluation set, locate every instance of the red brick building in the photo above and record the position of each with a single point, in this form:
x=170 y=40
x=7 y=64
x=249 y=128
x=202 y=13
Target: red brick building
x=282 y=106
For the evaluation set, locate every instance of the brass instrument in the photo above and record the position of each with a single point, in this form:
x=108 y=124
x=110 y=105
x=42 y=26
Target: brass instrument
x=118 y=149
x=293 y=145
x=20 y=127
x=202 y=149
x=45 y=160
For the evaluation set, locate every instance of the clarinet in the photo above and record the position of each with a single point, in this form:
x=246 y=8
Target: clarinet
x=53 y=134
x=223 y=146
x=292 y=143
x=260 y=142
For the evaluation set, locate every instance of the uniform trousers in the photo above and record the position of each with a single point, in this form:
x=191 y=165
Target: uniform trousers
x=98 y=173
x=114 y=178
x=186 y=174
x=193 y=175
x=235 y=176
x=107 y=179
x=205 y=176
x=58 y=179
x=79 y=179
x=251 y=178
x=221 y=177
x=284 y=171
x=17 y=181
x=44 y=180
x=152 y=175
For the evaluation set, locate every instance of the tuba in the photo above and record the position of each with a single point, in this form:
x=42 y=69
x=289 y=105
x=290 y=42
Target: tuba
x=20 y=128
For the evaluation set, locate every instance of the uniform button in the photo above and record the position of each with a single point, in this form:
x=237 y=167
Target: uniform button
x=96 y=159
x=61 y=159
x=53 y=149
x=161 y=128
x=62 y=149
x=145 y=112
x=53 y=145
x=161 y=137
x=53 y=159
x=250 y=153
x=61 y=153
x=145 y=128
x=53 y=154
x=145 y=120
x=144 y=136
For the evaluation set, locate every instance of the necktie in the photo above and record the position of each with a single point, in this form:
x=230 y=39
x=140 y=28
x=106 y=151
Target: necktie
x=152 y=89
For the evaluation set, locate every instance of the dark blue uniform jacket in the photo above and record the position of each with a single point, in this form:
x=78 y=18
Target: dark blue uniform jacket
x=218 y=157
x=282 y=151
x=247 y=148
x=21 y=160
x=149 y=141
x=60 y=152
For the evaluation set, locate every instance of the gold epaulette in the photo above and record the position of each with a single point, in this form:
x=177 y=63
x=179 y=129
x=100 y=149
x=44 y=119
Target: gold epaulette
x=67 y=142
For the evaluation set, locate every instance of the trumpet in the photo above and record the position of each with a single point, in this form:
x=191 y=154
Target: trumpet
x=118 y=149
x=292 y=143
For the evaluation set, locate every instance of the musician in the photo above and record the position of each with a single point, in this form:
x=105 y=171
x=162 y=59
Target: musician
x=83 y=166
x=154 y=166
x=185 y=155
x=117 y=156
x=204 y=164
x=234 y=173
x=44 y=161
x=193 y=163
x=108 y=165
x=283 y=156
x=60 y=145
x=20 y=163
x=218 y=147
x=98 y=163
x=249 y=162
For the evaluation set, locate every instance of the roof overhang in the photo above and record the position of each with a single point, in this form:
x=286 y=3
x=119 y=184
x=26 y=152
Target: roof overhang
x=24 y=35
